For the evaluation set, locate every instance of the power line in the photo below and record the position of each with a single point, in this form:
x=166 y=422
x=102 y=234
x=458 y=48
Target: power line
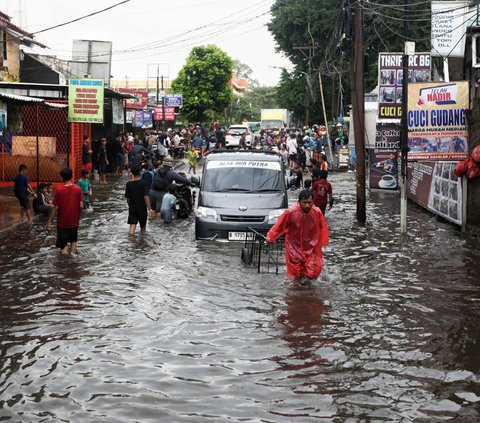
x=80 y=18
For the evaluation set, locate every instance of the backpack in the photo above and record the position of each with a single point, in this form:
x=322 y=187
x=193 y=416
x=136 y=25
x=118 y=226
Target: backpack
x=160 y=181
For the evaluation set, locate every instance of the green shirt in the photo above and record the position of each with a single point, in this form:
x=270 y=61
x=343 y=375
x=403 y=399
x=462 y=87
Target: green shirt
x=85 y=185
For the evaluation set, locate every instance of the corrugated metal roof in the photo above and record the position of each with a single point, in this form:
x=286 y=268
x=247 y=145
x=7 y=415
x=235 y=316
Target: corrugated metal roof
x=21 y=98
x=26 y=99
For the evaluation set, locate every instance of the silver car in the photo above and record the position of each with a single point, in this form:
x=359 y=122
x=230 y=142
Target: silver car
x=233 y=134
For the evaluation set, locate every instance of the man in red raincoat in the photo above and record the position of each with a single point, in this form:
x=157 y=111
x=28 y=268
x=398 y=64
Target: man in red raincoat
x=306 y=232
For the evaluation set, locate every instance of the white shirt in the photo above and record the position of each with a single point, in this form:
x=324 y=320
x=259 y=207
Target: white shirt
x=292 y=146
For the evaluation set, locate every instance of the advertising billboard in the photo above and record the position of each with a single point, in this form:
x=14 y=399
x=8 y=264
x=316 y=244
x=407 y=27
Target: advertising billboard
x=449 y=24
x=433 y=185
x=139 y=102
x=390 y=80
x=384 y=158
x=383 y=169
x=437 y=121
x=168 y=113
x=143 y=119
x=85 y=100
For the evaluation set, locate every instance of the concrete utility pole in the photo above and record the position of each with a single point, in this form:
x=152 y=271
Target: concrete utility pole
x=359 y=109
x=409 y=51
x=308 y=77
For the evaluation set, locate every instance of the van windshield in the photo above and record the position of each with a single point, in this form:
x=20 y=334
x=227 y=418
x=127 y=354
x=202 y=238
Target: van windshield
x=243 y=177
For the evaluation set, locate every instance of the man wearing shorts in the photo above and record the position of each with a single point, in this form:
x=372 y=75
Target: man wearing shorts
x=68 y=202
x=22 y=190
x=136 y=193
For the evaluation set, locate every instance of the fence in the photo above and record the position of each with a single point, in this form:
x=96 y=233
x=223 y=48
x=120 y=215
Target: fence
x=43 y=140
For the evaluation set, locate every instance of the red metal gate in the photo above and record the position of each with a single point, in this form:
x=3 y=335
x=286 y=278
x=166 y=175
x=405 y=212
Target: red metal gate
x=43 y=140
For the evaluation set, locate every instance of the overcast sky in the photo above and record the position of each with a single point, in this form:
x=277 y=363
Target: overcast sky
x=147 y=33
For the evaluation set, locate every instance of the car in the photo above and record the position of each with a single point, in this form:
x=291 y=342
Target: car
x=240 y=190
x=233 y=134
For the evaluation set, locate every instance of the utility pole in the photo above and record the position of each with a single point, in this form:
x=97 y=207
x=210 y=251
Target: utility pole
x=409 y=50
x=158 y=87
x=359 y=109
x=308 y=77
x=163 y=107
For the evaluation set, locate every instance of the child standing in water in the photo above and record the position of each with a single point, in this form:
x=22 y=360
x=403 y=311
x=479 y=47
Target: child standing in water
x=86 y=186
x=102 y=161
x=192 y=157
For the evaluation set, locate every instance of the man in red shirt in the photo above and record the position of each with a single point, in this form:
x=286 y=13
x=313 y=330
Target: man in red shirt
x=68 y=202
x=322 y=190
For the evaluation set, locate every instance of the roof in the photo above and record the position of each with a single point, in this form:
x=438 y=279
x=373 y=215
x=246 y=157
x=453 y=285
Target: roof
x=25 y=99
x=269 y=156
x=21 y=35
x=56 y=90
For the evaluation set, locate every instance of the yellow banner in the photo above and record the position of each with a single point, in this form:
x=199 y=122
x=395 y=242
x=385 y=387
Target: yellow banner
x=85 y=100
x=437 y=123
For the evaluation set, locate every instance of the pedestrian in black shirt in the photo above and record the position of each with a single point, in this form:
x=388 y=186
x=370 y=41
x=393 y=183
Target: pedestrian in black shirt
x=136 y=193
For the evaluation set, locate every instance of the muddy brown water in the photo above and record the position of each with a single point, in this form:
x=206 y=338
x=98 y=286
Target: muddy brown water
x=163 y=328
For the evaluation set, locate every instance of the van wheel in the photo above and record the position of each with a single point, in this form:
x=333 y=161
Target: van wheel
x=246 y=256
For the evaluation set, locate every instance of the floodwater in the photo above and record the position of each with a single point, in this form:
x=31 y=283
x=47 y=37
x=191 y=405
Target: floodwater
x=160 y=328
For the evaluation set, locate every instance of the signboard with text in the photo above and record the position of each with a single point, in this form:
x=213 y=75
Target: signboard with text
x=384 y=158
x=85 y=100
x=143 y=119
x=3 y=121
x=390 y=80
x=437 y=123
x=168 y=113
x=434 y=186
x=173 y=100
x=449 y=24
x=139 y=102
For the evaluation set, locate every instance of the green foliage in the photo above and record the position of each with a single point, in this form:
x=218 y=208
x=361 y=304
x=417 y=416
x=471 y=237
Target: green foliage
x=387 y=27
x=203 y=82
x=328 y=25
x=301 y=23
x=248 y=106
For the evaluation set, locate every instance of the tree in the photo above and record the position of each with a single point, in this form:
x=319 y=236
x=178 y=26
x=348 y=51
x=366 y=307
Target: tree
x=203 y=83
x=303 y=23
x=247 y=107
x=243 y=71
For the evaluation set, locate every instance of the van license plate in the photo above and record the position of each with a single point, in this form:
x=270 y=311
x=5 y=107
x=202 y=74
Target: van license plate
x=239 y=236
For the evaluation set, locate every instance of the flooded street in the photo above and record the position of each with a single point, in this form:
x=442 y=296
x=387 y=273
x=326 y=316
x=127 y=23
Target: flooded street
x=161 y=328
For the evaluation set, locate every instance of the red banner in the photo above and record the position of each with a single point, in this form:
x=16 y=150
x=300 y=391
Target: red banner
x=139 y=102
x=168 y=113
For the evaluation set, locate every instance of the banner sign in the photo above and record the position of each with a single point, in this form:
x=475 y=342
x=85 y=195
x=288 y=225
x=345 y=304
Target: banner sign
x=434 y=186
x=449 y=25
x=383 y=168
x=168 y=113
x=437 y=121
x=129 y=116
x=390 y=80
x=387 y=136
x=139 y=102
x=173 y=100
x=143 y=119
x=85 y=100
x=117 y=111
x=3 y=121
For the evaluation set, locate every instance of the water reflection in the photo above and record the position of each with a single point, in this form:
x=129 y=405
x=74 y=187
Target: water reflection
x=162 y=328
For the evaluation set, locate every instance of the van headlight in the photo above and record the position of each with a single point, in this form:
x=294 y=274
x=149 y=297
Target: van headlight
x=274 y=215
x=206 y=213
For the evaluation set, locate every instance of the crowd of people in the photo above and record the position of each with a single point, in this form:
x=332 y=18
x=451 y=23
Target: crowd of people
x=153 y=188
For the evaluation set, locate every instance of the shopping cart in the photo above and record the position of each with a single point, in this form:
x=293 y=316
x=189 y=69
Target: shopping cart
x=265 y=257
